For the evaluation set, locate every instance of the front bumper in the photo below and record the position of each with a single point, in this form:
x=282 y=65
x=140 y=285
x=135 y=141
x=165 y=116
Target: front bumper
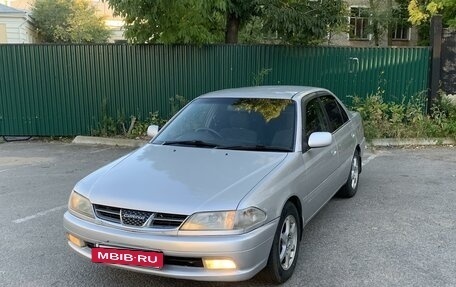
x=249 y=251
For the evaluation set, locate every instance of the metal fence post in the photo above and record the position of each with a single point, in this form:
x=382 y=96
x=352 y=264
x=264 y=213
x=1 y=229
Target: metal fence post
x=436 y=33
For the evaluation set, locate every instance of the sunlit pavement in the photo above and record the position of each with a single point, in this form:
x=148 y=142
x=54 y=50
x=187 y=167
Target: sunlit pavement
x=399 y=230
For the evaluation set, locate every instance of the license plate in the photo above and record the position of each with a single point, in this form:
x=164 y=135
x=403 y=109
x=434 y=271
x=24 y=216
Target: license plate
x=127 y=257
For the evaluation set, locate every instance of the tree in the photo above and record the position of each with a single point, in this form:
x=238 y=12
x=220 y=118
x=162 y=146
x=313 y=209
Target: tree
x=288 y=21
x=69 y=21
x=379 y=19
x=385 y=16
x=215 y=21
x=171 y=21
x=238 y=13
x=421 y=11
x=304 y=22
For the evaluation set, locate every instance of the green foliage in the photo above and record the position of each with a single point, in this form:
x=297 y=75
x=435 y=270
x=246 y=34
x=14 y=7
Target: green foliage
x=140 y=127
x=253 y=33
x=135 y=126
x=303 y=22
x=164 y=21
x=107 y=126
x=406 y=119
x=384 y=16
x=69 y=21
x=421 y=11
x=259 y=77
x=207 y=21
x=448 y=11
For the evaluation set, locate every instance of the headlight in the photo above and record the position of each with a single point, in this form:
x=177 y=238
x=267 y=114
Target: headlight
x=81 y=205
x=242 y=220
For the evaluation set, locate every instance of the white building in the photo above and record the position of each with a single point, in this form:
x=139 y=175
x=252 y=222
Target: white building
x=16 y=26
x=113 y=23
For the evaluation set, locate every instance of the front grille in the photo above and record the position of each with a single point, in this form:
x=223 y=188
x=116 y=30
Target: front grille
x=108 y=213
x=139 y=218
x=167 y=220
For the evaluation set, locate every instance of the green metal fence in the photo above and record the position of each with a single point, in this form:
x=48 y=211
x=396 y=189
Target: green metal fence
x=53 y=90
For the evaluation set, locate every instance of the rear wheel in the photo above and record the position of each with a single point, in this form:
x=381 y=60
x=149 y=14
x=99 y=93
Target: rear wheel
x=350 y=187
x=285 y=248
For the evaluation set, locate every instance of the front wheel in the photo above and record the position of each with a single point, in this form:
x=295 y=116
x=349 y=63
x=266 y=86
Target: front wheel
x=285 y=248
x=350 y=187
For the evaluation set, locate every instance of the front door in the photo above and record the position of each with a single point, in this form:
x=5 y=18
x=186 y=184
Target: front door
x=319 y=164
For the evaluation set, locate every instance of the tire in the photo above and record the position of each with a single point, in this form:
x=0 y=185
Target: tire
x=285 y=247
x=350 y=187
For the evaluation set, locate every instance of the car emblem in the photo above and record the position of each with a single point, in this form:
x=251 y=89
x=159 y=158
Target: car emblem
x=134 y=218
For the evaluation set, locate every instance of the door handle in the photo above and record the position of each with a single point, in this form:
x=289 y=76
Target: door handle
x=333 y=152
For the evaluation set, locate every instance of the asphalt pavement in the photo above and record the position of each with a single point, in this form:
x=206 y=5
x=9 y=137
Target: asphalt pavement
x=399 y=230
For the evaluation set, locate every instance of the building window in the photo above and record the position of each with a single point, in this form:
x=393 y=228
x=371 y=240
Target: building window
x=400 y=25
x=401 y=32
x=359 y=20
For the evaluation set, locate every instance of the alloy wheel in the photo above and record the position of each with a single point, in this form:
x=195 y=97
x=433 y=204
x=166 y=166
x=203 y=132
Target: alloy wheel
x=354 y=172
x=288 y=242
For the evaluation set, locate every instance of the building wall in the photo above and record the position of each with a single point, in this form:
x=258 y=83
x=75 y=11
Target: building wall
x=16 y=29
x=25 y=5
x=342 y=39
x=3 y=38
x=114 y=23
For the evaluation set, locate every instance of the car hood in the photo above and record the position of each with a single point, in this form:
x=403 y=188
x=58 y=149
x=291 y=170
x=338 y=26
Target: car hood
x=180 y=180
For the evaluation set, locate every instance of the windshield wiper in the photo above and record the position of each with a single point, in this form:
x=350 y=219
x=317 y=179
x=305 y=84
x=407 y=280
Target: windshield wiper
x=256 y=148
x=197 y=143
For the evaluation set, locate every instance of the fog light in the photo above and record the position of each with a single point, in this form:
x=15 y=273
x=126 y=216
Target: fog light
x=219 y=263
x=76 y=241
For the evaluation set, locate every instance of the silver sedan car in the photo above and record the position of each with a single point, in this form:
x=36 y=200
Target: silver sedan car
x=225 y=188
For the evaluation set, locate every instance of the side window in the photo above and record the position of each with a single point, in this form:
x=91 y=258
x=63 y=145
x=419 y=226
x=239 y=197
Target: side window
x=314 y=118
x=336 y=115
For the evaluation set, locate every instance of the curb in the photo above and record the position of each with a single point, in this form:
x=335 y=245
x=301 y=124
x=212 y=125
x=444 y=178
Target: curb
x=108 y=141
x=411 y=142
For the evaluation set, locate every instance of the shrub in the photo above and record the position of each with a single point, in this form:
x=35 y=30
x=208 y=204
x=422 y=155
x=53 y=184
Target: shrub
x=407 y=119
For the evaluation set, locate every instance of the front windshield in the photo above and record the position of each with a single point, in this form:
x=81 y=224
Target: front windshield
x=234 y=123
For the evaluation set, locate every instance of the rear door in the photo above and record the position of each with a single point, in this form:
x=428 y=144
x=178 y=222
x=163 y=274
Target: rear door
x=344 y=136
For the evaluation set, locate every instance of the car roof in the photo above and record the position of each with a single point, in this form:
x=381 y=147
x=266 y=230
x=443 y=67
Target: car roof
x=274 y=92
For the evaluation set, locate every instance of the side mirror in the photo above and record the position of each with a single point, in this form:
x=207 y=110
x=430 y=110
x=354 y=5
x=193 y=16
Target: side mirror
x=320 y=139
x=152 y=130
